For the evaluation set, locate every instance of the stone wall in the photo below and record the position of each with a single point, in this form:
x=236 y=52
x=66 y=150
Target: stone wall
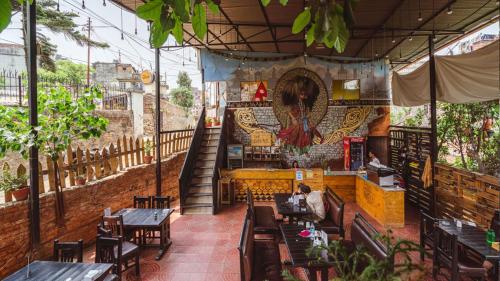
x=84 y=206
x=173 y=117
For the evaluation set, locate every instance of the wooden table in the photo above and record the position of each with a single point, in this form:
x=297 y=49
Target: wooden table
x=297 y=247
x=473 y=238
x=144 y=219
x=60 y=271
x=286 y=208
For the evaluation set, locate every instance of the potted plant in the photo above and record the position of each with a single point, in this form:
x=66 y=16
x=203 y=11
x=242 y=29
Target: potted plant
x=148 y=147
x=208 y=122
x=80 y=180
x=15 y=184
x=216 y=122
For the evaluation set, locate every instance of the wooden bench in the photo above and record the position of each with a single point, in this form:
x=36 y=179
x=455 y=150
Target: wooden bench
x=363 y=233
x=263 y=217
x=334 y=220
x=259 y=259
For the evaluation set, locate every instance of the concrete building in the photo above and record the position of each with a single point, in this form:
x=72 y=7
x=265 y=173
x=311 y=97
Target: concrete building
x=12 y=57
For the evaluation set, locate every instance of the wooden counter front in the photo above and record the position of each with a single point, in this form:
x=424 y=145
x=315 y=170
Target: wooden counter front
x=385 y=205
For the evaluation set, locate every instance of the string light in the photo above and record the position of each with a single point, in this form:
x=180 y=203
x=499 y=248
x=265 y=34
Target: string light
x=449 y=11
x=58 y=5
x=376 y=53
x=393 y=39
x=104 y=3
x=410 y=38
x=135 y=8
x=83 y=4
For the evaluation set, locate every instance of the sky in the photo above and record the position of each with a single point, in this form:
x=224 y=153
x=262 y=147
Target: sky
x=106 y=24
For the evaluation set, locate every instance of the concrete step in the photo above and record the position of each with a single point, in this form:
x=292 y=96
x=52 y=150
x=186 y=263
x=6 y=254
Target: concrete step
x=210 y=143
x=208 y=164
x=208 y=149
x=203 y=173
x=211 y=137
x=206 y=210
x=201 y=180
x=207 y=199
x=199 y=189
x=206 y=156
x=213 y=130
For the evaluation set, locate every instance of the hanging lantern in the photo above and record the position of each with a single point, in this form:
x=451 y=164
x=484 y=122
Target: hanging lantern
x=488 y=126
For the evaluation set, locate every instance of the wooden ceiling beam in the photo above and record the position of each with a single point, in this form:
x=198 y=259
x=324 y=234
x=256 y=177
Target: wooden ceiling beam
x=266 y=17
x=237 y=31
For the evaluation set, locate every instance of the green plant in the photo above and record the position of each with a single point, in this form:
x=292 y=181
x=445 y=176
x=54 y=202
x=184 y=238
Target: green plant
x=359 y=265
x=11 y=182
x=327 y=22
x=148 y=147
x=61 y=119
x=168 y=16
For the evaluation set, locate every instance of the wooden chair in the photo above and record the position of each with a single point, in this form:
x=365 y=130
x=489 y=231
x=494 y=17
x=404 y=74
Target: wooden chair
x=114 y=225
x=447 y=255
x=427 y=229
x=68 y=251
x=109 y=250
x=160 y=202
x=142 y=202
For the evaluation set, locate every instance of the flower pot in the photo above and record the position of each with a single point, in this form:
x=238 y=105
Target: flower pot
x=80 y=181
x=148 y=159
x=21 y=193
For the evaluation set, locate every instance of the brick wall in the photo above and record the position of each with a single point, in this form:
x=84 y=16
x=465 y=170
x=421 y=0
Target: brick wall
x=84 y=205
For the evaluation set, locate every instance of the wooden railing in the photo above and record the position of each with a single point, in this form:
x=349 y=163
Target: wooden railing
x=466 y=195
x=94 y=164
x=190 y=160
x=220 y=162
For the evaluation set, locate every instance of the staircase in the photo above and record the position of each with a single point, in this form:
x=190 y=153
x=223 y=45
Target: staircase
x=200 y=197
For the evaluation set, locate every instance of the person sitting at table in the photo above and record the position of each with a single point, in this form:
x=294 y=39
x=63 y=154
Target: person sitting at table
x=314 y=200
x=295 y=164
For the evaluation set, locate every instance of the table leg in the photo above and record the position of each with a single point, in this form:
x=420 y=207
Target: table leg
x=313 y=274
x=324 y=274
x=165 y=241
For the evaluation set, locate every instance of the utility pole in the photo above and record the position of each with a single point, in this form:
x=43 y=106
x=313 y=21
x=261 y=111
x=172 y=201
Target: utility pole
x=88 y=53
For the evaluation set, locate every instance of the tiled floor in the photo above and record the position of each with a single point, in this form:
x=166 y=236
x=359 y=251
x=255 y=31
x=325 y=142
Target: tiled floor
x=205 y=247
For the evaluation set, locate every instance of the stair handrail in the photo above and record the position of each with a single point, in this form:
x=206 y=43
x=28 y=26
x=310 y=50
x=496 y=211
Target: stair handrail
x=190 y=159
x=220 y=160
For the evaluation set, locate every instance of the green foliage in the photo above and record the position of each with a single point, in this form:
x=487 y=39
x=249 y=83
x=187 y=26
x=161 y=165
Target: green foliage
x=182 y=96
x=168 y=16
x=61 y=119
x=183 y=80
x=5 y=14
x=148 y=146
x=327 y=22
x=10 y=182
x=361 y=266
x=66 y=70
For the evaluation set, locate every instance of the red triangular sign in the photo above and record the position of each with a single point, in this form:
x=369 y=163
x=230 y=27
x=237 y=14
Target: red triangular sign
x=261 y=93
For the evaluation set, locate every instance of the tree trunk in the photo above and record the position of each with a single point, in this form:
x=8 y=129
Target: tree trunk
x=59 y=200
x=461 y=148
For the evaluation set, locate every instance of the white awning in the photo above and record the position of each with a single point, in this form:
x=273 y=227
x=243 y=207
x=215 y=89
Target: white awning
x=471 y=77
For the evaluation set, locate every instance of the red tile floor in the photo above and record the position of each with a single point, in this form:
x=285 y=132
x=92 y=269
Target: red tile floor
x=204 y=247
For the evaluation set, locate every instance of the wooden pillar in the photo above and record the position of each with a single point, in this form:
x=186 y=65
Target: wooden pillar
x=432 y=83
x=33 y=120
x=158 y=122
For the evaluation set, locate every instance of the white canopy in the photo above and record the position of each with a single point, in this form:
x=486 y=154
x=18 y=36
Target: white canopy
x=471 y=77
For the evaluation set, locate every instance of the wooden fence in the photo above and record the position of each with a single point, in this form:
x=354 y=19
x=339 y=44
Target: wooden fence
x=466 y=195
x=94 y=164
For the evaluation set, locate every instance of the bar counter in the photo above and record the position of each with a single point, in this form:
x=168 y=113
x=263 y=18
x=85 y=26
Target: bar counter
x=385 y=204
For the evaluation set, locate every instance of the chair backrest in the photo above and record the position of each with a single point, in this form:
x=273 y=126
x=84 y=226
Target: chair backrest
x=427 y=228
x=446 y=248
x=105 y=252
x=113 y=224
x=68 y=251
x=246 y=249
x=160 y=202
x=363 y=233
x=336 y=207
x=142 y=202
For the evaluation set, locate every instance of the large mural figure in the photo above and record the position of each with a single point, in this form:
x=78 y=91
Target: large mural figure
x=299 y=104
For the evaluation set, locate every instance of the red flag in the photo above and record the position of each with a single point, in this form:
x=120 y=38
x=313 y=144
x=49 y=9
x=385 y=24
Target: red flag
x=261 y=93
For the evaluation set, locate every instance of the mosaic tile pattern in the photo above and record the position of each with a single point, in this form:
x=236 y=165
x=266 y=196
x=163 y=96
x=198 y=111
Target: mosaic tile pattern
x=205 y=247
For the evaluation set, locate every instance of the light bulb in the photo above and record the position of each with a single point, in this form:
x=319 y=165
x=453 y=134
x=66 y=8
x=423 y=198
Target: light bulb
x=393 y=41
x=83 y=4
x=420 y=16
x=410 y=38
x=104 y=3
x=449 y=11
